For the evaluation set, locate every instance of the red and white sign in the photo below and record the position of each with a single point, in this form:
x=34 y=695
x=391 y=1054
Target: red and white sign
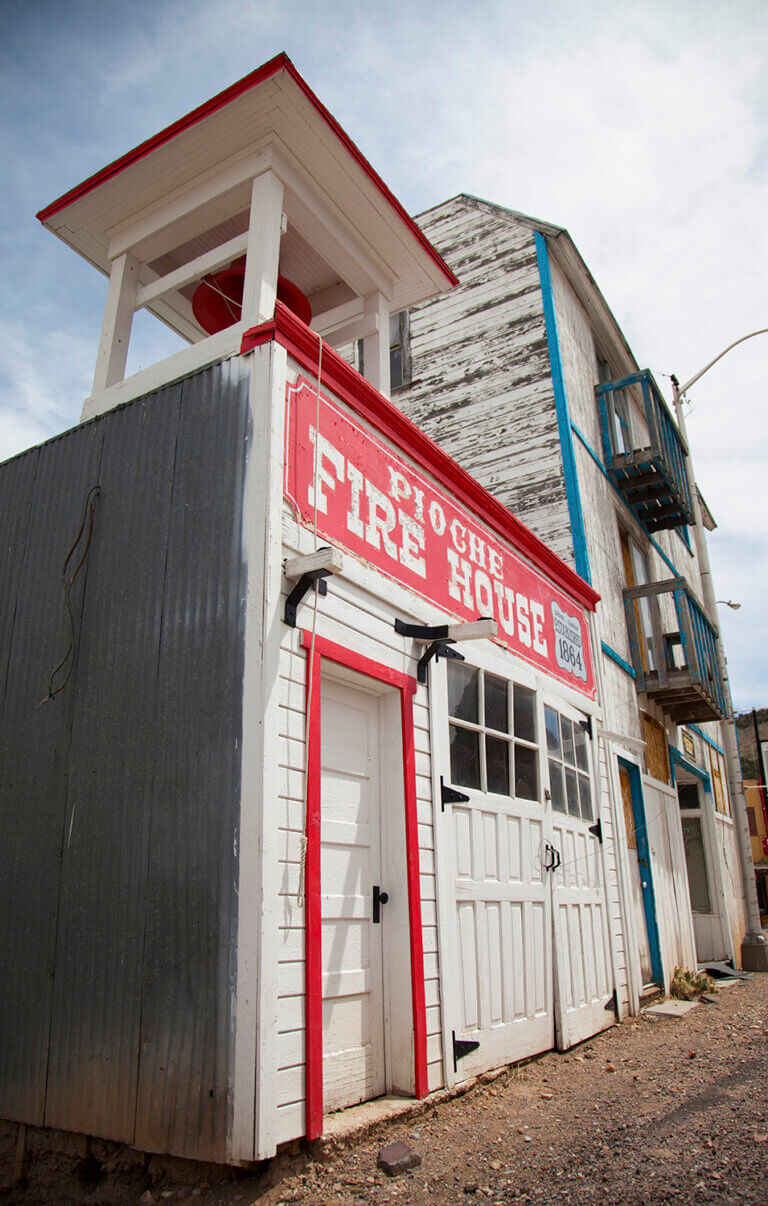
x=374 y=505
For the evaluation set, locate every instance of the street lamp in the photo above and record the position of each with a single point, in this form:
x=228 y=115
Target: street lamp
x=754 y=949
x=729 y=603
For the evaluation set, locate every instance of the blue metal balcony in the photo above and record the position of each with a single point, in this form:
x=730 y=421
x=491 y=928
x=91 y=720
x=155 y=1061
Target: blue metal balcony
x=646 y=463
x=675 y=662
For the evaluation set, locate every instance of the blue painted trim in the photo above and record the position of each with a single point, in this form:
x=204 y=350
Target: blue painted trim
x=685 y=535
x=646 y=871
x=677 y=758
x=695 y=729
x=578 y=432
x=669 y=564
x=618 y=659
x=575 y=513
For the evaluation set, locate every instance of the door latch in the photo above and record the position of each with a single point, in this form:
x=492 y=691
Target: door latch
x=379 y=898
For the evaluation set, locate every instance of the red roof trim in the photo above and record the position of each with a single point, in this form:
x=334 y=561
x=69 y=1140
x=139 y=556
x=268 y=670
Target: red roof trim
x=279 y=63
x=339 y=376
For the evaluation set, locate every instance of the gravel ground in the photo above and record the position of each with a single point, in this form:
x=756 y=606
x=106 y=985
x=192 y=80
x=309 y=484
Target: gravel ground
x=653 y=1111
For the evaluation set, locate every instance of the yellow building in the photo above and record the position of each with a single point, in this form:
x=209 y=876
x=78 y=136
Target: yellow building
x=758 y=831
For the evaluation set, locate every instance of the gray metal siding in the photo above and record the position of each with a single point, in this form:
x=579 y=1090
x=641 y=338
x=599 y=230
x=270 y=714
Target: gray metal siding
x=119 y=799
x=46 y=491
x=189 y=964
x=98 y=975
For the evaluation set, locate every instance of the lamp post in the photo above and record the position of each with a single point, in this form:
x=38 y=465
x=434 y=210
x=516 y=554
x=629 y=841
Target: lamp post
x=754 y=949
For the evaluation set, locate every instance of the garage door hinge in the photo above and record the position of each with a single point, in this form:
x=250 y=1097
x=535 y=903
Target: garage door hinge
x=449 y=795
x=462 y=1047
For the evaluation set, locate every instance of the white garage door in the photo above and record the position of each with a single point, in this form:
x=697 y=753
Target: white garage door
x=583 y=981
x=528 y=948
x=501 y=895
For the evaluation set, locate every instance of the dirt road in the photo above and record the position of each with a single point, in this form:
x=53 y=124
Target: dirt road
x=652 y=1111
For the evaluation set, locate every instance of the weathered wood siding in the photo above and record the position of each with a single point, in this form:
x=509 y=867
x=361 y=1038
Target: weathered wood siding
x=481 y=384
x=482 y=388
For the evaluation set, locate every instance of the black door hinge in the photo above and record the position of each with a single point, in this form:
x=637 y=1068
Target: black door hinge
x=462 y=1047
x=597 y=830
x=449 y=795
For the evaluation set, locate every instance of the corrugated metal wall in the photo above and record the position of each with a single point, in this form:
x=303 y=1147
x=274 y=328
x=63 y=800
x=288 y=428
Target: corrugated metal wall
x=119 y=798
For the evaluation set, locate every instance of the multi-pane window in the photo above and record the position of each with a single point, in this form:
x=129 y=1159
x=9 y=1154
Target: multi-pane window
x=492 y=732
x=568 y=759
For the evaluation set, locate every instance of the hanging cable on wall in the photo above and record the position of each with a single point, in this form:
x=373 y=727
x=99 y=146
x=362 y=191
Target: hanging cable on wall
x=311 y=655
x=82 y=540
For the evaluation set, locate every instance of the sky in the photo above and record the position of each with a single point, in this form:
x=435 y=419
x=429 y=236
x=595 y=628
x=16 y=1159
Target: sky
x=642 y=128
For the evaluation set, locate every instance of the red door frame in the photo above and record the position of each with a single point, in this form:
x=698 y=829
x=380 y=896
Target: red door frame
x=406 y=685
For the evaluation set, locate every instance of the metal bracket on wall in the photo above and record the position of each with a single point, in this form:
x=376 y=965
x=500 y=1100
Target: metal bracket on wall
x=435 y=650
x=306 y=582
x=422 y=632
x=462 y=1047
x=310 y=570
x=449 y=795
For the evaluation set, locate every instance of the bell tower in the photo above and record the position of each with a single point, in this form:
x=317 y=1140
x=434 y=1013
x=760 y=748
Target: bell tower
x=257 y=194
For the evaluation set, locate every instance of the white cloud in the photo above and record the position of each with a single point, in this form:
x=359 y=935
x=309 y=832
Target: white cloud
x=44 y=377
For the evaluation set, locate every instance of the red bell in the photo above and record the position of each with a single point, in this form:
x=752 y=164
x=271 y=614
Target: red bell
x=218 y=299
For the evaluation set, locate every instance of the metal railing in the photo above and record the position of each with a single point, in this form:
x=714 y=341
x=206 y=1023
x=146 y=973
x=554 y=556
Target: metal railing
x=647 y=464
x=675 y=659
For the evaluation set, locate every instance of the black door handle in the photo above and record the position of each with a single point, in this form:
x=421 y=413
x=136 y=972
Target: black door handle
x=553 y=857
x=379 y=898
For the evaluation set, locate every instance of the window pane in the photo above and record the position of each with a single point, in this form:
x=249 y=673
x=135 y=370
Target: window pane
x=582 y=760
x=497 y=765
x=526 y=773
x=585 y=792
x=395 y=367
x=394 y=329
x=497 y=703
x=567 y=731
x=688 y=795
x=556 y=789
x=572 y=791
x=525 y=714
x=553 y=731
x=697 y=865
x=465 y=757
x=462 y=691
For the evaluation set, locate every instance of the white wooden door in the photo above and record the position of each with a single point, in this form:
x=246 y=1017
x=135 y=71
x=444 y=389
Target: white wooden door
x=583 y=980
x=353 y=1026
x=503 y=931
x=498 y=946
